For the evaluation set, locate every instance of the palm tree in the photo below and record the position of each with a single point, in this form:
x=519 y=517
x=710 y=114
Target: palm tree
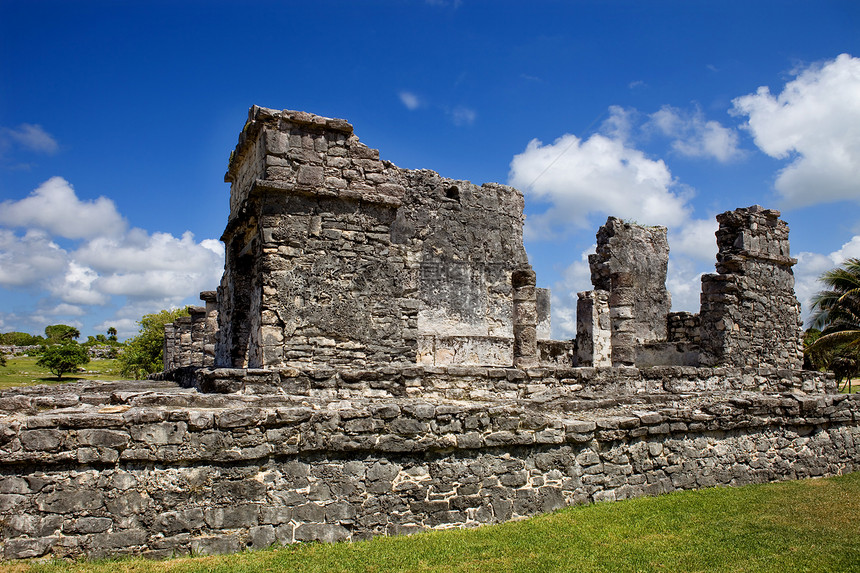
x=836 y=311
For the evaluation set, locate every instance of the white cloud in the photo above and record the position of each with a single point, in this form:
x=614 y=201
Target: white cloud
x=810 y=266
x=575 y=278
x=54 y=207
x=66 y=310
x=77 y=286
x=156 y=266
x=620 y=123
x=814 y=122
x=463 y=115
x=27 y=260
x=410 y=100
x=599 y=175
x=695 y=239
x=32 y=137
x=149 y=271
x=694 y=136
x=684 y=283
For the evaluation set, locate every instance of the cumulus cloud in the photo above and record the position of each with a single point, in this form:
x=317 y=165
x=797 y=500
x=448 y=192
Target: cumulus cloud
x=575 y=278
x=32 y=137
x=695 y=239
x=410 y=100
x=598 y=175
x=810 y=266
x=815 y=123
x=27 y=260
x=694 y=136
x=54 y=207
x=76 y=286
x=131 y=269
x=66 y=310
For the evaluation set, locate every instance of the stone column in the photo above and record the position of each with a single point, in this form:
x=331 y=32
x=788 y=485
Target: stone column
x=169 y=347
x=630 y=264
x=525 y=318
x=210 y=334
x=750 y=315
x=183 y=339
x=593 y=329
x=198 y=333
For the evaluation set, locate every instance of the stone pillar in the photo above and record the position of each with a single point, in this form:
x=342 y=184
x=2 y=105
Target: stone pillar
x=525 y=318
x=210 y=334
x=169 y=346
x=750 y=315
x=183 y=341
x=631 y=264
x=198 y=333
x=593 y=329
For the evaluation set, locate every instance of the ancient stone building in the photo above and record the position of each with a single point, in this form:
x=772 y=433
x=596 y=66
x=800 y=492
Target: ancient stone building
x=376 y=362
x=338 y=258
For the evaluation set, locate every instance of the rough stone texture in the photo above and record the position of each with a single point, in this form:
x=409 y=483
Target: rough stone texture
x=631 y=263
x=336 y=257
x=750 y=315
x=374 y=362
x=149 y=468
x=593 y=329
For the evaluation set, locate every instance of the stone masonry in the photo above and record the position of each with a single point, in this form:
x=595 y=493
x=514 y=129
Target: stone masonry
x=376 y=361
x=750 y=315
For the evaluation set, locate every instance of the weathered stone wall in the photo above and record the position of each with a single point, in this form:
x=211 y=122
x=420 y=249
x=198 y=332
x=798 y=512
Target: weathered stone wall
x=107 y=469
x=628 y=272
x=586 y=387
x=750 y=315
x=336 y=257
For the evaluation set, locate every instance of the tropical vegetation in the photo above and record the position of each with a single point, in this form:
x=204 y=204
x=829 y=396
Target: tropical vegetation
x=144 y=354
x=833 y=342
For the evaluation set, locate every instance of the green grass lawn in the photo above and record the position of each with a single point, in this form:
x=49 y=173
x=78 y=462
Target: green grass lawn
x=810 y=525
x=22 y=371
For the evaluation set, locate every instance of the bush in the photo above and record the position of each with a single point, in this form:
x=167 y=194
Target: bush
x=144 y=353
x=63 y=357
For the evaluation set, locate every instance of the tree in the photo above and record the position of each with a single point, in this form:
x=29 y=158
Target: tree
x=60 y=332
x=21 y=339
x=111 y=331
x=144 y=353
x=63 y=357
x=836 y=311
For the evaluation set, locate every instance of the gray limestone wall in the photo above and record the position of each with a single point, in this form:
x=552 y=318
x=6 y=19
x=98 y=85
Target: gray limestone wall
x=582 y=387
x=750 y=315
x=337 y=257
x=110 y=469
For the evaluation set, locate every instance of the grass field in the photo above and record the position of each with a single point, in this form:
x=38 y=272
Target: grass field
x=809 y=525
x=22 y=371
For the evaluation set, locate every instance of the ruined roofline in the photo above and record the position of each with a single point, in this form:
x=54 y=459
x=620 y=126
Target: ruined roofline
x=259 y=117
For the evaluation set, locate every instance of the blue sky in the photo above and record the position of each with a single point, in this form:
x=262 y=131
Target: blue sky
x=117 y=119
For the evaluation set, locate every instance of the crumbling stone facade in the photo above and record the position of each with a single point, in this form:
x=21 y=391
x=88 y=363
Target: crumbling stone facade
x=336 y=257
x=376 y=361
x=750 y=315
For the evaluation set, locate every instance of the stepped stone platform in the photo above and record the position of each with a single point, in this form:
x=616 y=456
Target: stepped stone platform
x=156 y=469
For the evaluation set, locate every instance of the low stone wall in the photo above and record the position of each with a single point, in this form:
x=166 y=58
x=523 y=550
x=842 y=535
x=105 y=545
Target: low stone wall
x=484 y=383
x=110 y=468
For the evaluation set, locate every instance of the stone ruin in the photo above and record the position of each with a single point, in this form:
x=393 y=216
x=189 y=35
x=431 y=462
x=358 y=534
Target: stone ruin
x=377 y=361
x=336 y=258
